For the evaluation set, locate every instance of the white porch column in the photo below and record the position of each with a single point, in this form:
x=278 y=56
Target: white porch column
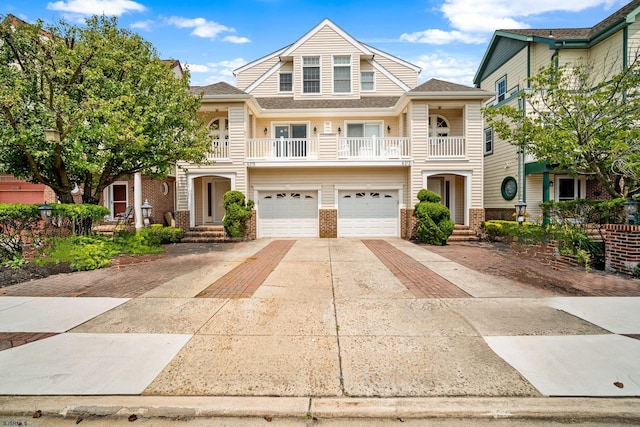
x=137 y=200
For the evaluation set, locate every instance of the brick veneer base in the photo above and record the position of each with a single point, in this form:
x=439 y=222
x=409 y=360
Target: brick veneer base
x=476 y=218
x=328 y=223
x=622 y=247
x=182 y=220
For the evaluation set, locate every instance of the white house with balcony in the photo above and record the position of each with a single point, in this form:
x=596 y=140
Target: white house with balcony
x=334 y=138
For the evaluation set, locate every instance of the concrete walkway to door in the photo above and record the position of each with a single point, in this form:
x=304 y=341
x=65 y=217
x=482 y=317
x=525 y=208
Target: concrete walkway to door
x=372 y=328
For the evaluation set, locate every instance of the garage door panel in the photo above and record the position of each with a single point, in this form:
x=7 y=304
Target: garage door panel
x=288 y=214
x=368 y=213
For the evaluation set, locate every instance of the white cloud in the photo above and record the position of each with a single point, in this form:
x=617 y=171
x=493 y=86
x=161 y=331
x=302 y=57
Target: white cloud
x=473 y=21
x=206 y=29
x=441 y=37
x=236 y=39
x=443 y=66
x=142 y=25
x=214 y=72
x=96 y=7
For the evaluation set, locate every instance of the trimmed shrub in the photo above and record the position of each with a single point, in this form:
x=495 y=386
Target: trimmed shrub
x=18 y=222
x=237 y=213
x=434 y=220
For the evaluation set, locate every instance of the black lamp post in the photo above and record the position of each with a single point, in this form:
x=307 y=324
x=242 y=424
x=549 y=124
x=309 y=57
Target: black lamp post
x=631 y=208
x=45 y=211
x=521 y=208
x=146 y=211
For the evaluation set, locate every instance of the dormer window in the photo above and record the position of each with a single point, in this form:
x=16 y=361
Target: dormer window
x=311 y=74
x=366 y=81
x=342 y=74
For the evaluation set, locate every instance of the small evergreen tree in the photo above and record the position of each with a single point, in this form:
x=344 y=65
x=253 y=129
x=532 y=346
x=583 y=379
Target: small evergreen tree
x=237 y=213
x=434 y=219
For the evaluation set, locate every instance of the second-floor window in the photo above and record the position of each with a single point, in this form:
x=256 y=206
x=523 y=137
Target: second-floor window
x=501 y=89
x=342 y=74
x=488 y=140
x=366 y=81
x=311 y=74
x=286 y=82
x=367 y=130
x=438 y=126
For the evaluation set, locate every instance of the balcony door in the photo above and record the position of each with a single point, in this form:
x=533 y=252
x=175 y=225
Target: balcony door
x=291 y=140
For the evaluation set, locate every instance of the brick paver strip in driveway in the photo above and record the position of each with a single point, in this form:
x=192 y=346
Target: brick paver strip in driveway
x=244 y=280
x=421 y=281
x=14 y=339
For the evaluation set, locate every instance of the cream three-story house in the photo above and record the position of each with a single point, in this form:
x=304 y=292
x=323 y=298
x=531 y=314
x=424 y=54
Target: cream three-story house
x=334 y=138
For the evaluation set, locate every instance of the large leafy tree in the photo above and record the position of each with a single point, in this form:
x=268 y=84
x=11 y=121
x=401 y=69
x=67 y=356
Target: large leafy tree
x=582 y=118
x=117 y=107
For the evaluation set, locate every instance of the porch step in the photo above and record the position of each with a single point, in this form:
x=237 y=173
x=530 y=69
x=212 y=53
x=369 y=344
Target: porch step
x=462 y=233
x=205 y=234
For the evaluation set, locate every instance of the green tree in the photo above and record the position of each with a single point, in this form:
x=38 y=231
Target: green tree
x=116 y=105
x=581 y=118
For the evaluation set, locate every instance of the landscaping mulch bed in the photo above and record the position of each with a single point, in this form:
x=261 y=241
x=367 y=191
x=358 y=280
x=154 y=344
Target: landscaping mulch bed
x=11 y=276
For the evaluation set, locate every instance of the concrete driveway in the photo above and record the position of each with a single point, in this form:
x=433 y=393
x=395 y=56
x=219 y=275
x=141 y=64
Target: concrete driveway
x=320 y=326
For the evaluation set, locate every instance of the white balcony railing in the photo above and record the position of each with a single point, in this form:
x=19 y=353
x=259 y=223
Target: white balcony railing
x=374 y=148
x=447 y=147
x=282 y=149
x=219 y=149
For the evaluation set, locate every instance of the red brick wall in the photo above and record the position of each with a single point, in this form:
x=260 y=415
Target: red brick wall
x=328 y=223
x=252 y=226
x=408 y=224
x=622 y=247
x=152 y=191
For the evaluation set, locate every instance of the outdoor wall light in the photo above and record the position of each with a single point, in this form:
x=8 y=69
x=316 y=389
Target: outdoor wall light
x=521 y=208
x=146 y=211
x=315 y=130
x=631 y=208
x=266 y=130
x=388 y=129
x=339 y=130
x=45 y=211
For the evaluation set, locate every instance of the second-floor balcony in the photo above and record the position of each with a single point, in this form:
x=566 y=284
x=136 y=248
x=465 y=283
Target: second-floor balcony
x=447 y=147
x=373 y=148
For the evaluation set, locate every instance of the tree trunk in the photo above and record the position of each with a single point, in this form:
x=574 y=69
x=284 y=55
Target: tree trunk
x=65 y=197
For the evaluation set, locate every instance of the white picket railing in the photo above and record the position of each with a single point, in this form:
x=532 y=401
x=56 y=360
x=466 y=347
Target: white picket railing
x=282 y=149
x=447 y=147
x=374 y=148
x=219 y=149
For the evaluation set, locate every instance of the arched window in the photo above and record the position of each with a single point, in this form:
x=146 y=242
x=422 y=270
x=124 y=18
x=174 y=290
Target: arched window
x=219 y=127
x=438 y=126
x=219 y=133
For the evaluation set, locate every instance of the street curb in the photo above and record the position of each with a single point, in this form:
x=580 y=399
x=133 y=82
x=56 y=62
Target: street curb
x=533 y=408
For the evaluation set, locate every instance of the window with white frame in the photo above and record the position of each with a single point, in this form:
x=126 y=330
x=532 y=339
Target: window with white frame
x=501 y=89
x=286 y=82
x=342 y=74
x=311 y=74
x=438 y=126
x=570 y=188
x=366 y=81
x=488 y=140
x=366 y=130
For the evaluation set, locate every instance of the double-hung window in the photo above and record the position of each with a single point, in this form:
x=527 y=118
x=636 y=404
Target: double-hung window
x=501 y=89
x=286 y=82
x=342 y=74
x=311 y=74
x=366 y=81
x=488 y=140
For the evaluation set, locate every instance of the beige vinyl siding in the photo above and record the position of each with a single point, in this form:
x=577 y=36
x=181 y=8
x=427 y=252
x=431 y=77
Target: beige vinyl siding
x=502 y=163
x=474 y=138
x=329 y=179
x=534 y=196
x=454 y=118
x=607 y=56
x=633 y=40
x=541 y=56
x=271 y=85
x=418 y=119
x=515 y=70
x=405 y=74
x=248 y=76
x=182 y=194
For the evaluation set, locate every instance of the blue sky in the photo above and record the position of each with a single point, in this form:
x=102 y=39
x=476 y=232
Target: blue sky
x=446 y=38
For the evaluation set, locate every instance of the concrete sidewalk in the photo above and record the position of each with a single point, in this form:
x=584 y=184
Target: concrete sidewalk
x=331 y=328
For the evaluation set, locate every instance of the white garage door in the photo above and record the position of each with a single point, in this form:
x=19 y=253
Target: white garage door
x=288 y=214
x=368 y=213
